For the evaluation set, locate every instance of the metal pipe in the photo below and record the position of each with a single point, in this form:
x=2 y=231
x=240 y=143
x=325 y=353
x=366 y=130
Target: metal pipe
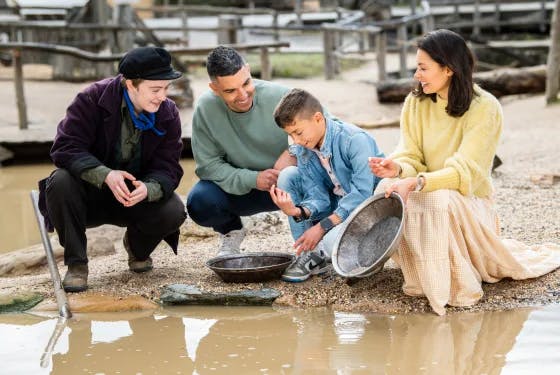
x=61 y=300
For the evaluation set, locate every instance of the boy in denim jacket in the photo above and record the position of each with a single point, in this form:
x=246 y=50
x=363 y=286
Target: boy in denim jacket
x=331 y=179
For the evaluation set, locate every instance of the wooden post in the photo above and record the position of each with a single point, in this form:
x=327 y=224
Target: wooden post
x=126 y=17
x=99 y=11
x=185 y=24
x=328 y=51
x=542 y=25
x=413 y=6
x=381 y=46
x=18 y=81
x=553 y=60
x=338 y=40
x=297 y=10
x=165 y=5
x=402 y=39
x=362 y=42
x=497 y=17
x=275 y=25
x=476 y=18
x=266 y=67
x=228 y=24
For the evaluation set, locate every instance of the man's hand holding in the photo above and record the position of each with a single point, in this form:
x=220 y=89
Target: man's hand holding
x=267 y=178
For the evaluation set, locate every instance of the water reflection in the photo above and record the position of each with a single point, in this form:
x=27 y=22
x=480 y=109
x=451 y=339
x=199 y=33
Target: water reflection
x=220 y=340
x=18 y=226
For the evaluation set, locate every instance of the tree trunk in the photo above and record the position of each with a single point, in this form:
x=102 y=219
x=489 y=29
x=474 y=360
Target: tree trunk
x=498 y=82
x=553 y=60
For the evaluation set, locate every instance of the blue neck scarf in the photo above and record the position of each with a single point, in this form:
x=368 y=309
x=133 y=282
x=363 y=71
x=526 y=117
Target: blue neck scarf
x=142 y=121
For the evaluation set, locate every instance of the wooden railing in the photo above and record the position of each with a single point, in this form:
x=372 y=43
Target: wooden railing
x=18 y=48
x=498 y=11
x=333 y=34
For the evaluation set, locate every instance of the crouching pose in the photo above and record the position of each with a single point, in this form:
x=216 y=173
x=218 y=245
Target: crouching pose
x=117 y=157
x=331 y=179
x=450 y=129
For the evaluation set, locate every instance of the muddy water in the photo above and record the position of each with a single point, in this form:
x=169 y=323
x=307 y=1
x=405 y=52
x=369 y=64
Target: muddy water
x=18 y=226
x=230 y=340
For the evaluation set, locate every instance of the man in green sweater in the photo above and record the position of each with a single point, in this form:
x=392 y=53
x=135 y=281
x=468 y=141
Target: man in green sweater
x=237 y=147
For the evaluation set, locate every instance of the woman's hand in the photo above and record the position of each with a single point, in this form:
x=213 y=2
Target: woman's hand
x=384 y=168
x=402 y=187
x=283 y=200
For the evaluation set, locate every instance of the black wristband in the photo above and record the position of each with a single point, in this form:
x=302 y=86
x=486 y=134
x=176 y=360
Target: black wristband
x=302 y=215
x=326 y=224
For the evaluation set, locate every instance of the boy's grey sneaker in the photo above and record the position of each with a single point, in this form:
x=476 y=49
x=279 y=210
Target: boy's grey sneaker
x=231 y=242
x=307 y=264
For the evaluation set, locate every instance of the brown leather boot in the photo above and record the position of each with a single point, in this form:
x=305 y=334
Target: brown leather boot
x=134 y=264
x=75 y=279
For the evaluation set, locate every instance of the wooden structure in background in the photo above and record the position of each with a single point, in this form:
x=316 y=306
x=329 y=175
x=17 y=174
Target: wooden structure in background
x=498 y=82
x=18 y=48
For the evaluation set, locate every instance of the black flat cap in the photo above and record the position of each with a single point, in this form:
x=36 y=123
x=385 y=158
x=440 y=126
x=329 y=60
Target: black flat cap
x=151 y=63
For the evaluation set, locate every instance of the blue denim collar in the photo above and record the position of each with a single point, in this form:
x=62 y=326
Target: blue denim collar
x=326 y=147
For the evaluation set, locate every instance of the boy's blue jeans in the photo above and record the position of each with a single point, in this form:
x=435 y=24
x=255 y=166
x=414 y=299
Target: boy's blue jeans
x=289 y=180
x=209 y=206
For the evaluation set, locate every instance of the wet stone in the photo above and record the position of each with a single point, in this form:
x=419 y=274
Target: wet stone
x=181 y=294
x=20 y=302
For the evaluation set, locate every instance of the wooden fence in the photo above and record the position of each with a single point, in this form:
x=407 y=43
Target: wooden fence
x=17 y=49
x=492 y=14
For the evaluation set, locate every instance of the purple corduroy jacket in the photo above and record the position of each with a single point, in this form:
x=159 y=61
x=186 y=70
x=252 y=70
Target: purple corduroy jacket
x=87 y=137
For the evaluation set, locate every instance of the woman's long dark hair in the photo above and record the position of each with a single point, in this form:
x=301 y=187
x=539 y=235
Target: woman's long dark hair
x=449 y=49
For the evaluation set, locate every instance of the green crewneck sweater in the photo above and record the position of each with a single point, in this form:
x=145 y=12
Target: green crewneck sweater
x=230 y=148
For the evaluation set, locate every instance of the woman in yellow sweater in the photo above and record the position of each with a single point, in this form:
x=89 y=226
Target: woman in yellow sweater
x=450 y=129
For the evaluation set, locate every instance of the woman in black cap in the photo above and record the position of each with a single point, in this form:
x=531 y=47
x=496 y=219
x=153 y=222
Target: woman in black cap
x=117 y=155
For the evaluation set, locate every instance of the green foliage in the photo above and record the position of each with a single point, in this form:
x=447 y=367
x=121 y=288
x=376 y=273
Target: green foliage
x=19 y=302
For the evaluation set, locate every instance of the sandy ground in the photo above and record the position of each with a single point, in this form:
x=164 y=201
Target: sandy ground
x=530 y=212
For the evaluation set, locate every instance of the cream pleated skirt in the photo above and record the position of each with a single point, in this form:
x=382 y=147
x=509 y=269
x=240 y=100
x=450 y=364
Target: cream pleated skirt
x=451 y=245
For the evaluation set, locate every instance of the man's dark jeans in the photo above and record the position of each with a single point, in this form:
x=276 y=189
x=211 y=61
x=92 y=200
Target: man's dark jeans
x=74 y=205
x=209 y=206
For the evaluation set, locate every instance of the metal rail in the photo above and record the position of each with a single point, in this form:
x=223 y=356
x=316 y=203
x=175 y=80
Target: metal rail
x=61 y=300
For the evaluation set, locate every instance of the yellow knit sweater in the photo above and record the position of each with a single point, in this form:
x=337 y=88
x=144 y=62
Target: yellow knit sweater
x=453 y=153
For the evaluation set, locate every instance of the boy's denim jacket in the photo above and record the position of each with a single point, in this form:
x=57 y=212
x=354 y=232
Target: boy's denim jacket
x=348 y=148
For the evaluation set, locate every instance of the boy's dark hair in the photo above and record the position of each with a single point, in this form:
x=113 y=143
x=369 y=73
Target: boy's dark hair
x=223 y=61
x=295 y=103
x=449 y=49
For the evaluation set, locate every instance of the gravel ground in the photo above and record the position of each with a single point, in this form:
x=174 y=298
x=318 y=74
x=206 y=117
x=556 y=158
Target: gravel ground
x=529 y=212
